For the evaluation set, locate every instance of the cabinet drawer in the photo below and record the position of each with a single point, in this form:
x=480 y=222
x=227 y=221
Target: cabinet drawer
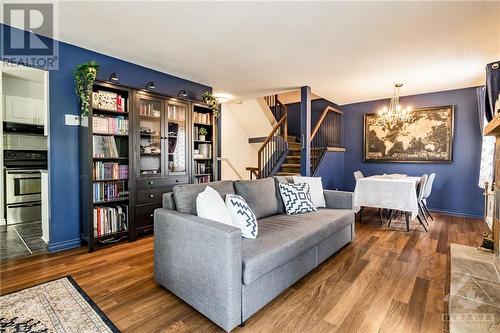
x=153 y=182
x=150 y=196
x=144 y=215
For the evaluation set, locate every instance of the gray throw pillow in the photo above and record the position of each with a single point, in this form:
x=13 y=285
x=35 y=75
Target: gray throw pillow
x=261 y=195
x=185 y=195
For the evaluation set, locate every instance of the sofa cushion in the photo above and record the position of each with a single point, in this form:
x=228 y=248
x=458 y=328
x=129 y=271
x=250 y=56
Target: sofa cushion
x=185 y=195
x=283 y=237
x=261 y=195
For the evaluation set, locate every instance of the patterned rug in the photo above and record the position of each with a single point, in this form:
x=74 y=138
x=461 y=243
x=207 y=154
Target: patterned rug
x=56 y=306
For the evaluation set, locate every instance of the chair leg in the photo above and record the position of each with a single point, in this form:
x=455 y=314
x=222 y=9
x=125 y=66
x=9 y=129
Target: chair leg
x=407 y=217
x=421 y=210
x=380 y=214
x=427 y=210
x=391 y=215
x=421 y=222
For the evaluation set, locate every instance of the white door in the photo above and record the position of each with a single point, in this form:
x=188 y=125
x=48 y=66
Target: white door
x=20 y=109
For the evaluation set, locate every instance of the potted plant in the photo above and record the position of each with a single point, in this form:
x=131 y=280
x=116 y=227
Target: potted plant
x=85 y=75
x=202 y=132
x=211 y=100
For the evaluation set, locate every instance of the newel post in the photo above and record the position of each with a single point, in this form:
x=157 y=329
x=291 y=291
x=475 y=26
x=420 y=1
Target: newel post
x=305 y=130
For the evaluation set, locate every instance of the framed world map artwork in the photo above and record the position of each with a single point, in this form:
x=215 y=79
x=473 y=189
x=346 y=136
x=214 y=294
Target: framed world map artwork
x=427 y=137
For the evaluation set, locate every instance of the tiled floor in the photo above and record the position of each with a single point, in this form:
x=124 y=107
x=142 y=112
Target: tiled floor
x=21 y=240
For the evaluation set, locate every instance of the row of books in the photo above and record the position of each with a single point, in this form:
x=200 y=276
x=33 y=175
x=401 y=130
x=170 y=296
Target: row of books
x=149 y=110
x=202 y=179
x=110 y=170
x=107 y=100
x=174 y=114
x=108 y=191
x=110 y=220
x=204 y=151
x=104 y=147
x=202 y=118
x=110 y=125
x=201 y=167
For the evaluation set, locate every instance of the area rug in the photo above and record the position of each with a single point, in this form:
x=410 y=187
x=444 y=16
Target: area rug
x=56 y=306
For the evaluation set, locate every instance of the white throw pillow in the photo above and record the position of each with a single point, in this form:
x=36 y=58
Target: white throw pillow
x=316 y=186
x=210 y=206
x=297 y=198
x=241 y=214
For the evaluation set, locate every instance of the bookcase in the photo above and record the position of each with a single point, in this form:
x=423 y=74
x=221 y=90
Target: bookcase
x=204 y=169
x=105 y=150
x=136 y=145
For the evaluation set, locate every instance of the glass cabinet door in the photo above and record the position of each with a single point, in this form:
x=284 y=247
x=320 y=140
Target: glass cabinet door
x=150 y=124
x=176 y=138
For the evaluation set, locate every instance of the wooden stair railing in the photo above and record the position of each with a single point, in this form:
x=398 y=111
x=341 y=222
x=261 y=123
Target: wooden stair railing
x=326 y=133
x=275 y=146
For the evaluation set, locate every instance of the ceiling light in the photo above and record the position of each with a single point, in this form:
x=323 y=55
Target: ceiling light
x=395 y=113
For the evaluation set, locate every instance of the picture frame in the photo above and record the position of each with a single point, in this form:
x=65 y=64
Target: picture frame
x=436 y=146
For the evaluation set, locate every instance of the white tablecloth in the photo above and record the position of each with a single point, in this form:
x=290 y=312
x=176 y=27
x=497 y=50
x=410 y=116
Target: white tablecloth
x=387 y=191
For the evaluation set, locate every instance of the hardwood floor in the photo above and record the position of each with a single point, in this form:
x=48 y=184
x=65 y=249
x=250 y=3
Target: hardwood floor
x=385 y=281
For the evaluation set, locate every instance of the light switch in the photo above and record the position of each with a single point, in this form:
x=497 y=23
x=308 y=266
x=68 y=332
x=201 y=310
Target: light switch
x=71 y=120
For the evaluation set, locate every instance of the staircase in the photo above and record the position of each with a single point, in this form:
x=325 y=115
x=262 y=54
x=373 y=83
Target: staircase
x=291 y=166
x=280 y=154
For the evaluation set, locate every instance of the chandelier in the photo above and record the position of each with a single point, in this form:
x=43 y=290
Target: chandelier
x=395 y=113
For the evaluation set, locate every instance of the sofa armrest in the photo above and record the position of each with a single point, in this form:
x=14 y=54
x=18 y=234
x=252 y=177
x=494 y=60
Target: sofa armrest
x=200 y=261
x=338 y=199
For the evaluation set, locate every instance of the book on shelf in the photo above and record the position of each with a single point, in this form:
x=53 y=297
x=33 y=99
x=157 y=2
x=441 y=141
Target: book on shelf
x=202 y=179
x=202 y=118
x=110 y=170
x=109 y=191
x=173 y=114
x=202 y=167
x=149 y=110
x=110 y=219
x=104 y=147
x=204 y=151
x=110 y=125
x=107 y=100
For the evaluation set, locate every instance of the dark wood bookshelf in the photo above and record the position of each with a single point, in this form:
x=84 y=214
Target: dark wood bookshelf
x=123 y=144
x=149 y=174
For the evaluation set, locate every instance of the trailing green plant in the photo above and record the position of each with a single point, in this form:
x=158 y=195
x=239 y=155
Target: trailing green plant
x=85 y=75
x=202 y=131
x=211 y=100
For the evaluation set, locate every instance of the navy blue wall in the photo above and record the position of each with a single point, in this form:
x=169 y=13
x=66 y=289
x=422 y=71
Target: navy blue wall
x=331 y=170
x=317 y=107
x=64 y=156
x=455 y=189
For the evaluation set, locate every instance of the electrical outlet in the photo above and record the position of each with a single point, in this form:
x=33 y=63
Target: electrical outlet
x=71 y=120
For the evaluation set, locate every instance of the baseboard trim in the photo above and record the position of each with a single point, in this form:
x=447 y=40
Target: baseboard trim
x=66 y=245
x=458 y=214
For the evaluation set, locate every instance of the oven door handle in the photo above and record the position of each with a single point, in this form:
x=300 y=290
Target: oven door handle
x=24 y=204
x=22 y=172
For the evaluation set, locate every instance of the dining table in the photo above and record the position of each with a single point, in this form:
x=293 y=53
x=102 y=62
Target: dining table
x=391 y=192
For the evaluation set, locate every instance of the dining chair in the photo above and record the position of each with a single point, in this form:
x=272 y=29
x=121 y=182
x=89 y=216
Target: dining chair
x=427 y=193
x=420 y=195
x=358 y=175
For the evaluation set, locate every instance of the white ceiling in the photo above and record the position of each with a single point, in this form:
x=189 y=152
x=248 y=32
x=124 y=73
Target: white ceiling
x=346 y=51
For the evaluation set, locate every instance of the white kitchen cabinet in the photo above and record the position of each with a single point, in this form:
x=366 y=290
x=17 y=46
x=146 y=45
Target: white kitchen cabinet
x=24 y=110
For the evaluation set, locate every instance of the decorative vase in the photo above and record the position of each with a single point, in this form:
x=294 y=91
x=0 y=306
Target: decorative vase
x=201 y=137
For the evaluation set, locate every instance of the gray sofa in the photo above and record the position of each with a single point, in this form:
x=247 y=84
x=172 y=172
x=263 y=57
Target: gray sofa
x=229 y=278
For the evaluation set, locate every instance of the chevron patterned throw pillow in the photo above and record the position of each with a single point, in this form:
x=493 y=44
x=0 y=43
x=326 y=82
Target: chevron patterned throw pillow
x=297 y=198
x=242 y=216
